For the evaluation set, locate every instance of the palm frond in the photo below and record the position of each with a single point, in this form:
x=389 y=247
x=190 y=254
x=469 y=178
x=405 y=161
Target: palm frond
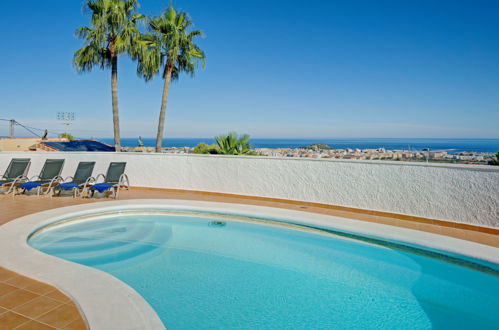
x=176 y=45
x=113 y=28
x=89 y=56
x=232 y=144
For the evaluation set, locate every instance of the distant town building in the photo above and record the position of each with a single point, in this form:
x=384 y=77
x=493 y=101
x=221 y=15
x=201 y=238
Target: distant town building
x=25 y=144
x=52 y=144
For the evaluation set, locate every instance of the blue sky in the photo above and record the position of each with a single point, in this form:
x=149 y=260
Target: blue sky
x=275 y=68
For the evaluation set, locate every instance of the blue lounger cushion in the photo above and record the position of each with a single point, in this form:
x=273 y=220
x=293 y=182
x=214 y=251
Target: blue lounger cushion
x=30 y=185
x=101 y=187
x=68 y=185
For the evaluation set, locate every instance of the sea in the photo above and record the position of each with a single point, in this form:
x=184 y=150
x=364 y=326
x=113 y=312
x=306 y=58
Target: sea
x=449 y=145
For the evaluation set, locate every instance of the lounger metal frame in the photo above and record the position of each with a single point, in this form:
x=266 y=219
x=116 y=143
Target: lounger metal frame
x=50 y=185
x=40 y=190
x=122 y=184
x=81 y=188
x=18 y=180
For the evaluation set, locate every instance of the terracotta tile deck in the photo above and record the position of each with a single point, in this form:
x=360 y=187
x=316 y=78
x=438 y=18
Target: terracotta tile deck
x=28 y=304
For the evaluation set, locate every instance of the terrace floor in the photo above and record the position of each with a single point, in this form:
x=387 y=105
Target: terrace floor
x=28 y=304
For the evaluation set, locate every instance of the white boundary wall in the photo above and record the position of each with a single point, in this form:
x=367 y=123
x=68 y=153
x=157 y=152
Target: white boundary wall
x=459 y=193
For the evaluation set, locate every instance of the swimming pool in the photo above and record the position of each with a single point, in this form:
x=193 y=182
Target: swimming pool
x=211 y=271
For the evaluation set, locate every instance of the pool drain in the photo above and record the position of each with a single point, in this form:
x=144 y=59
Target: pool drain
x=217 y=223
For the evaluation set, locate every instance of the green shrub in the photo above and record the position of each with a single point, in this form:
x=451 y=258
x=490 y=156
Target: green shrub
x=495 y=161
x=67 y=136
x=204 y=148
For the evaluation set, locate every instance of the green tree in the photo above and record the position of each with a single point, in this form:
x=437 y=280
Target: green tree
x=112 y=31
x=67 y=135
x=169 y=48
x=319 y=146
x=232 y=144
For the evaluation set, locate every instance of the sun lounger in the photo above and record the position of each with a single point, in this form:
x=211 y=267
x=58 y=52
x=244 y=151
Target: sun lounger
x=82 y=179
x=114 y=180
x=49 y=177
x=15 y=174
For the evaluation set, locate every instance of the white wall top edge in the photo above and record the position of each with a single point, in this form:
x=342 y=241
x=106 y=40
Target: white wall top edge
x=108 y=303
x=301 y=159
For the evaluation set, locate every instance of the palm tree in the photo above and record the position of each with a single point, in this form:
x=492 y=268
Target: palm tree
x=232 y=144
x=169 y=48
x=113 y=28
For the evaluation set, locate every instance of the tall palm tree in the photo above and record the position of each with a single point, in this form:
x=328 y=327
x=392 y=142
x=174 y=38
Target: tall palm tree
x=168 y=48
x=113 y=29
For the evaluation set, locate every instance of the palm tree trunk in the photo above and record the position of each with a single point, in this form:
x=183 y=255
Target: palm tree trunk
x=164 y=101
x=114 y=90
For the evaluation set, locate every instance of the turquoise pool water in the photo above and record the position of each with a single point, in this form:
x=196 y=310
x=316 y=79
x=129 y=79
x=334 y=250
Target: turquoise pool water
x=207 y=272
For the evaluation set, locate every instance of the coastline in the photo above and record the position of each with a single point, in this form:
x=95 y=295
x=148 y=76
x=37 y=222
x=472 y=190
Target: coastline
x=380 y=154
x=407 y=144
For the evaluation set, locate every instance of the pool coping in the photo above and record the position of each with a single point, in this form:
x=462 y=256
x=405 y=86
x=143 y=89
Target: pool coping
x=106 y=302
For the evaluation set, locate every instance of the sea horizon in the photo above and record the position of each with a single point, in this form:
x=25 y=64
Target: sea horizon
x=451 y=145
